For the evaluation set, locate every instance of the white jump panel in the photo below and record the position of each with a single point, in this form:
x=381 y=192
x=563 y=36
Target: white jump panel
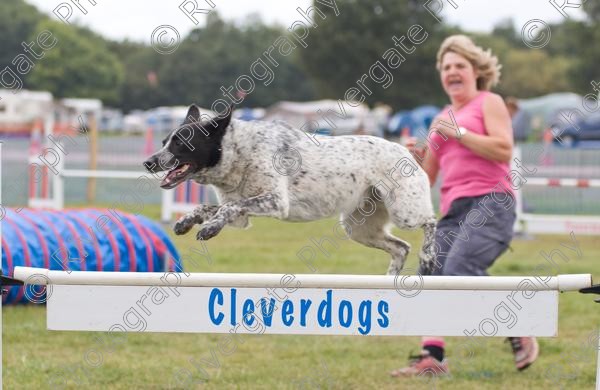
x=305 y=311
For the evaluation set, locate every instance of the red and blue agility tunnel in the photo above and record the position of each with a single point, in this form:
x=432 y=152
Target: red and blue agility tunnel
x=83 y=240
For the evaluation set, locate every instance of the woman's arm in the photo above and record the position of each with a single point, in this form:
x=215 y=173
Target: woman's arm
x=430 y=166
x=498 y=144
x=425 y=158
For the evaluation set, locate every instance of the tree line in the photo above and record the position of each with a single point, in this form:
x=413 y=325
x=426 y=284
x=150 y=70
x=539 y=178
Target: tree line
x=338 y=52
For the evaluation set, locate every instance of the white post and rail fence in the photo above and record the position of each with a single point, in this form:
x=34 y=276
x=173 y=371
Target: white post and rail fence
x=49 y=191
x=185 y=197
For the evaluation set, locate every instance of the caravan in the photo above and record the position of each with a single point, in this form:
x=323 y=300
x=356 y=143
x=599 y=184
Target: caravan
x=20 y=110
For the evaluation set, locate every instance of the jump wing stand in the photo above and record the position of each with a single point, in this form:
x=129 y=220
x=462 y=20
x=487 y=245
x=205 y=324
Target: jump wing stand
x=595 y=289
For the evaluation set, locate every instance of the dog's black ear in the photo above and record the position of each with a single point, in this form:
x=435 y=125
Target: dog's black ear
x=224 y=119
x=193 y=114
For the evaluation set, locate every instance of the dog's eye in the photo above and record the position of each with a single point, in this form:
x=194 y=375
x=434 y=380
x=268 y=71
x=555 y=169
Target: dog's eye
x=178 y=142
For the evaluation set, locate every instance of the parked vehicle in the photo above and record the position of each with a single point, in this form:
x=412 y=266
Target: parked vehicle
x=111 y=120
x=134 y=122
x=584 y=129
x=342 y=117
x=164 y=119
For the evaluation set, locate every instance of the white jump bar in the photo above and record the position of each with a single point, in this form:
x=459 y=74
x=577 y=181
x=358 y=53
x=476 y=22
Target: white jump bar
x=41 y=276
x=84 y=173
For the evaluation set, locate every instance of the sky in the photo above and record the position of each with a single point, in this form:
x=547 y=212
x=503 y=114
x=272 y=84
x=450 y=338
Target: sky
x=137 y=19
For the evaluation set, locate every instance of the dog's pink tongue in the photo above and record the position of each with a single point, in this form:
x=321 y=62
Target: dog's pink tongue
x=169 y=178
x=171 y=175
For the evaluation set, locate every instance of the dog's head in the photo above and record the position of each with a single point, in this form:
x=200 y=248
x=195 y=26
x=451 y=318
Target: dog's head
x=193 y=146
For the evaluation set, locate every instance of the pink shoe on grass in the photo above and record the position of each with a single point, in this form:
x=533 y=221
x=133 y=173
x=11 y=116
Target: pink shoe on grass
x=525 y=349
x=422 y=365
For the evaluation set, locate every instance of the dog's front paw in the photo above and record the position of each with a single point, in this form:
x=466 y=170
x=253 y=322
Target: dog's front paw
x=393 y=270
x=208 y=231
x=184 y=225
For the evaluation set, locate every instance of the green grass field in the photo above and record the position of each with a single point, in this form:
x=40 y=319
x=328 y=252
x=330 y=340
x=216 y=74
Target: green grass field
x=34 y=358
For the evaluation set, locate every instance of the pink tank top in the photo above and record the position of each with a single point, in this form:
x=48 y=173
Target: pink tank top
x=465 y=174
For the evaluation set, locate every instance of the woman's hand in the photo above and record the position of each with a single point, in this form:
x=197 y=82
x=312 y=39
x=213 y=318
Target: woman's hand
x=419 y=152
x=444 y=125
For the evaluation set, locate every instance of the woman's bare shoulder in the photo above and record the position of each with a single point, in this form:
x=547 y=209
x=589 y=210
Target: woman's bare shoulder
x=492 y=99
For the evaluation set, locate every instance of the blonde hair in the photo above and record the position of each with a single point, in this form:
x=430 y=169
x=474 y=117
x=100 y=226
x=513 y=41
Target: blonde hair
x=485 y=63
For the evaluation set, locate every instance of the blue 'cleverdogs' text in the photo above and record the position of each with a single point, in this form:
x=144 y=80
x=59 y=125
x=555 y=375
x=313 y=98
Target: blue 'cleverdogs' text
x=325 y=314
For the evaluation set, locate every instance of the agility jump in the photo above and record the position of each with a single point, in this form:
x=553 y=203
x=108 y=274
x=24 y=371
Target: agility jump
x=489 y=306
x=306 y=304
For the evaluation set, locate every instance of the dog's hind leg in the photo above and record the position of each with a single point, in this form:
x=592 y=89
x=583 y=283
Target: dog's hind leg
x=196 y=217
x=399 y=253
x=370 y=231
x=427 y=255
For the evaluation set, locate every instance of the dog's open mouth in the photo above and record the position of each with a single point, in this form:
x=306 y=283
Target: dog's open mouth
x=175 y=176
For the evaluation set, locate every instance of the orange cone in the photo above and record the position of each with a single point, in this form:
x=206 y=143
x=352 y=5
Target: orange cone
x=548 y=137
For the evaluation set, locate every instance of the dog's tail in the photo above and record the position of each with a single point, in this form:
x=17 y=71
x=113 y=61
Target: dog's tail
x=427 y=254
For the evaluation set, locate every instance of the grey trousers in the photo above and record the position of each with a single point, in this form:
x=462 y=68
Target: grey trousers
x=474 y=233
